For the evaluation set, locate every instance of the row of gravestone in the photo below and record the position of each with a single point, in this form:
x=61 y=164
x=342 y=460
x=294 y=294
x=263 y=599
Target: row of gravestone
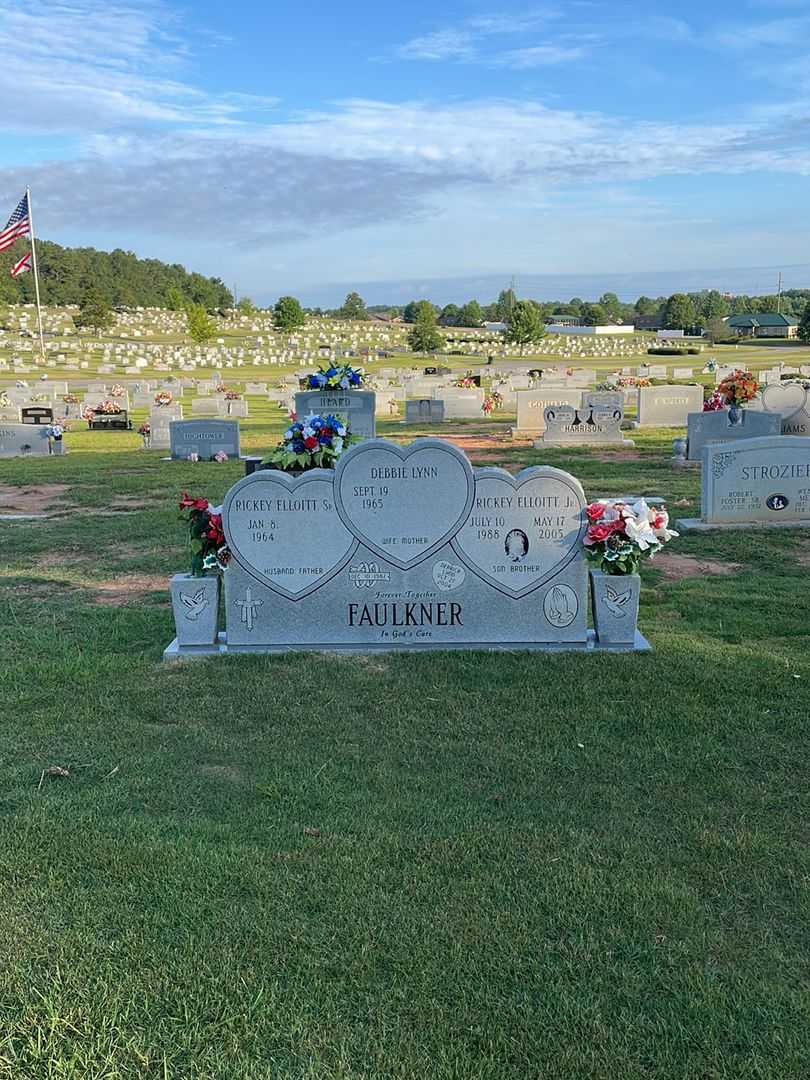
x=780 y=409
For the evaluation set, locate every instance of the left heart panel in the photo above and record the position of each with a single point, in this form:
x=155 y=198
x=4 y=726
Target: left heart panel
x=284 y=530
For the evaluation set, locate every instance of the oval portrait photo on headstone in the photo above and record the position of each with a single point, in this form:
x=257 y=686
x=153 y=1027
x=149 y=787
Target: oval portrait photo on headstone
x=777 y=502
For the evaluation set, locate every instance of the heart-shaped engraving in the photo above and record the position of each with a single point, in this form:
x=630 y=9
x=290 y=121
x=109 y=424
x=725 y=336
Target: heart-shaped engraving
x=403 y=503
x=522 y=530
x=786 y=398
x=285 y=532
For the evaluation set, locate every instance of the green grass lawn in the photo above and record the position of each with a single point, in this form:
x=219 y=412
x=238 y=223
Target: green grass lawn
x=453 y=865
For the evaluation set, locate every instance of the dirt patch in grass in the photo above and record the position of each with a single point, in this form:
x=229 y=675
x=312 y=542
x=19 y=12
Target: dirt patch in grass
x=618 y=455
x=45 y=499
x=803 y=553
x=676 y=567
x=128 y=589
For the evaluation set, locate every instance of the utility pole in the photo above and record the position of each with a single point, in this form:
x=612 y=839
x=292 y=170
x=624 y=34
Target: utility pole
x=779 y=296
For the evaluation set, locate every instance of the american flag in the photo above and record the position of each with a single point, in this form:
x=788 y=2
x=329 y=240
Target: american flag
x=21 y=266
x=19 y=224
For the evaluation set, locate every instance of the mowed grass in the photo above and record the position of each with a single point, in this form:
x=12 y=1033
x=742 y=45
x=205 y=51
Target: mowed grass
x=437 y=866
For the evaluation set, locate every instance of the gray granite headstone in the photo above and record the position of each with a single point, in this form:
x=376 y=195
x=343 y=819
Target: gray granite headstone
x=567 y=426
x=25 y=440
x=161 y=418
x=603 y=399
x=531 y=405
x=356 y=406
x=668 y=406
x=203 y=437
x=763 y=480
x=715 y=427
x=36 y=414
x=791 y=401
x=405 y=548
x=461 y=404
x=424 y=411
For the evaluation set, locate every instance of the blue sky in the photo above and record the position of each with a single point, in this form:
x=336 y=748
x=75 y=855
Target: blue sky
x=313 y=148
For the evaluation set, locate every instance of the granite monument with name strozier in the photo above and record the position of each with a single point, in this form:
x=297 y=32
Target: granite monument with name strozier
x=405 y=548
x=762 y=481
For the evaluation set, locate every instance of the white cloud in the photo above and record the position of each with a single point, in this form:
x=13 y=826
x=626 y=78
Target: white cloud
x=465 y=42
x=440 y=45
x=88 y=65
x=540 y=56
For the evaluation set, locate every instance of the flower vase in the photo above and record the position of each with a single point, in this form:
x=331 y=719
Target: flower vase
x=147 y=441
x=195 y=604
x=615 y=607
x=734 y=414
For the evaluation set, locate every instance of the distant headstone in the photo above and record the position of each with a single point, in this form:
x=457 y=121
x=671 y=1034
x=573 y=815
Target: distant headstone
x=160 y=420
x=208 y=406
x=668 y=406
x=357 y=406
x=756 y=481
x=36 y=414
x=204 y=437
x=27 y=440
x=461 y=404
x=715 y=427
x=566 y=426
x=602 y=399
x=532 y=403
x=424 y=411
x=791 y=401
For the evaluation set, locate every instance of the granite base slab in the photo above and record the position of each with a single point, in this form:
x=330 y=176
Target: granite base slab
x=175 y=652
x=697 y=525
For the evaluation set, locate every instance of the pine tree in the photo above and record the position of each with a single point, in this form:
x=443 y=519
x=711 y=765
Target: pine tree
x=525 y=324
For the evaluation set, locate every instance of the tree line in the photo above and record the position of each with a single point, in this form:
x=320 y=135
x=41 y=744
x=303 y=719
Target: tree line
x=67 y=275
x=680 y=311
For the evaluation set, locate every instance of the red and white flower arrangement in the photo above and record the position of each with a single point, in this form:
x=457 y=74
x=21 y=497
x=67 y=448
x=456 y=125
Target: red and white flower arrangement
x=206 y=538
x=466 y=382
x=163 y=397
x=107 y=408
x=492 y=401
x=117 y=390
x=620 y=534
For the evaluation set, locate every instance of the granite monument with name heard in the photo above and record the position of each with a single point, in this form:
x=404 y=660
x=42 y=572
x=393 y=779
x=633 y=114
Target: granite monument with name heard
x=357 y=407
x=406 y=548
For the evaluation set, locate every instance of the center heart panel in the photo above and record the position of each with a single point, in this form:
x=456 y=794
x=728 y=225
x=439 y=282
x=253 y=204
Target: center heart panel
x=404 y=504
x=522 y=530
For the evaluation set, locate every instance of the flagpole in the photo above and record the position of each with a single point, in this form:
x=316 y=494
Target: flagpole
x=36 y=274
